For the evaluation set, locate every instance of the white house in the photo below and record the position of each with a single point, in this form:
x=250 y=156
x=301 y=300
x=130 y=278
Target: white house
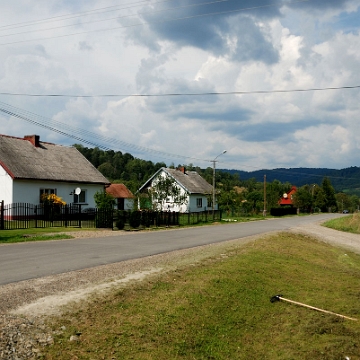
x=198 y=191
x=30 y=167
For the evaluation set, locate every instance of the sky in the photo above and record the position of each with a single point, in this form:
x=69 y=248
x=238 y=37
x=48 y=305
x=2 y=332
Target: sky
x=275 y=83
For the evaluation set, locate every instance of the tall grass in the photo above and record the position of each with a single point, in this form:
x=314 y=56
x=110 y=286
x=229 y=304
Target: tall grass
x=349 y=223
x=221 y=309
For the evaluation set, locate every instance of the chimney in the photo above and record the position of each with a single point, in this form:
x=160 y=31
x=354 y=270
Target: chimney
x=34 y=139
x=182 y=169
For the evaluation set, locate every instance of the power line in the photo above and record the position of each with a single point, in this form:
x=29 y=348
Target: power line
x=78 y=133
x=153 y=22
x=118 y=17
x=71 y=16
x=276 y=91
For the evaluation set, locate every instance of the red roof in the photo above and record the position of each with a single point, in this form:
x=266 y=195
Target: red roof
x=286 y=199
x=119 y=191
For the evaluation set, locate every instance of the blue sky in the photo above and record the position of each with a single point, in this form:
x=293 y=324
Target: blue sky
x=221 y=75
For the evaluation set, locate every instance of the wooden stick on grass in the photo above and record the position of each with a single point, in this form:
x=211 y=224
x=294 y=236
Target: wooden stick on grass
x=280 y=297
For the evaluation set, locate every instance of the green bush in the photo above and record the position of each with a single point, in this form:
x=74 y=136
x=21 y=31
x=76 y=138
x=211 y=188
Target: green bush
x=120 y=224
x=135 y=219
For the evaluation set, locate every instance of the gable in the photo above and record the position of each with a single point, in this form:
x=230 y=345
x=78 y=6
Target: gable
x=24 y=159
x=190 y=181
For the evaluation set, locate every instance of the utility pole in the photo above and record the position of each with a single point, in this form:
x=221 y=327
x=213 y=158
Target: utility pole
x=213 y=194
x=264 y=213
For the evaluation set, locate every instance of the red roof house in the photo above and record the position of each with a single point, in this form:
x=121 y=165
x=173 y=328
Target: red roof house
x=287 y=198
x=124 y=197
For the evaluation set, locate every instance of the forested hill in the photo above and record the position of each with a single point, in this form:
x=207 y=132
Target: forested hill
x=133 y=172
x=346 y=180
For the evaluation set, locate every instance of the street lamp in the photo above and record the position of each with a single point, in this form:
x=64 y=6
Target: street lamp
x=213 y=197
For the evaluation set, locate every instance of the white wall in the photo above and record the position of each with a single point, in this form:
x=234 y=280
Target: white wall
x=190 y=206
x=193 y=203
x=6 y=187
x=128 y=204
x=27 y=191
x=170 y=205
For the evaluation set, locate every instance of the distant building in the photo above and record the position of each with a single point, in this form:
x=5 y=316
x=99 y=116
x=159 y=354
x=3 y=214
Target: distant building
x=123 y=196
x=198 y=190
x=287 y=198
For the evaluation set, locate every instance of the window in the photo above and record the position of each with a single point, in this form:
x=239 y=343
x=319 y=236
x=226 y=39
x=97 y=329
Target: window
x=81 y=198
x=199 y=202
x=46 y=191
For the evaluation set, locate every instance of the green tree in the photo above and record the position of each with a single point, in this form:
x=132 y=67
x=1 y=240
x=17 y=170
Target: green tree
x=330 y=203
x=343 y=202
x=103 y=200
x=354 y=203
x=319 y=198
x=302 y=199
x=166 y=188
x=255 y=198
x=107 y=170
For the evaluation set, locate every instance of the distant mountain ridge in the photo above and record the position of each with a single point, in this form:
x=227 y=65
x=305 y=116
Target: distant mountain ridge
x=345 y=180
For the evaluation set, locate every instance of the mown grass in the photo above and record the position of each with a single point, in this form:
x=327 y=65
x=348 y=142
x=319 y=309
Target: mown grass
x=33 y=234
x=221 y=309
x=350 y=223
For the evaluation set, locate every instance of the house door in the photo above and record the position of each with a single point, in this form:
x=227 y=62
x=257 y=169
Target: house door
x=121 y=204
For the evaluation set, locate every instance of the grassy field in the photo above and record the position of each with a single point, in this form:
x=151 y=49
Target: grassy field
x=349 y=223
x=221 y=309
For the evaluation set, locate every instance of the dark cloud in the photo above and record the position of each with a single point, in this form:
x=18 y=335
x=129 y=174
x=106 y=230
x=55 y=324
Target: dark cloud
x=317 y=5
x=219 y=116
x=270 y=131
x=227 y=32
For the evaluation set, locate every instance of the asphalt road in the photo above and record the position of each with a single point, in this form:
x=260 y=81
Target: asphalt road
x=30 y=260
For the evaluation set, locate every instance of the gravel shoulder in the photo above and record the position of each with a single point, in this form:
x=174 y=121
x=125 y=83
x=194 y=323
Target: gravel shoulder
x=26 y=304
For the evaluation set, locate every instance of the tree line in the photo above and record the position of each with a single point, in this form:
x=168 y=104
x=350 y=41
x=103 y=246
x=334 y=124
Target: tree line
x=235 y=195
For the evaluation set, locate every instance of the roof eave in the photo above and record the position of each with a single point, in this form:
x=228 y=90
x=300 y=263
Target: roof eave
x=63 y=181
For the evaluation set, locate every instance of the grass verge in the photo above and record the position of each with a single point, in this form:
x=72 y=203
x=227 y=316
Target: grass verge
x=221 y=309
x=36 y=234
x=349 y=223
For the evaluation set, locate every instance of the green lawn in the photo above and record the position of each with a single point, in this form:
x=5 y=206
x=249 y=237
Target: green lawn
x=350 y=223
x=35 y=234
x=221 y=309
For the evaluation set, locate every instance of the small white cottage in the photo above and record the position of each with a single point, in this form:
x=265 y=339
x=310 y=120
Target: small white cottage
x=198 y=191
x=124 y=198
x=30 y=168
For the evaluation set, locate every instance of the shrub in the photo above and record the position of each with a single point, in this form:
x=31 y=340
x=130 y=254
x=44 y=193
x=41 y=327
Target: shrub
x=135 y=219
x=120 y=224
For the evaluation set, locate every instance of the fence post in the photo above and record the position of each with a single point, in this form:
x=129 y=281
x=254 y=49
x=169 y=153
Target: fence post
x=2 y=222
x=36 y=216
x=79 y=215
x=66 y=214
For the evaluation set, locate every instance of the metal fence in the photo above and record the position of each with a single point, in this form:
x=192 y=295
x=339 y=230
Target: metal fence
x=25 y=216
x=148 y=218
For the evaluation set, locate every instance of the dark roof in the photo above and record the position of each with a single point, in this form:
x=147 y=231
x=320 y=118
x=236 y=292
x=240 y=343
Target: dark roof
x=32 y=159
x=189 y=180
x=119 y=191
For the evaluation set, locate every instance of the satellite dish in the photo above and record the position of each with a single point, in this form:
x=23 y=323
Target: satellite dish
x=77 y=191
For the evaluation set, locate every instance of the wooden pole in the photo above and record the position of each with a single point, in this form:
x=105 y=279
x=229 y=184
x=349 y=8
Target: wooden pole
x=315 y=308
x=264 y=213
